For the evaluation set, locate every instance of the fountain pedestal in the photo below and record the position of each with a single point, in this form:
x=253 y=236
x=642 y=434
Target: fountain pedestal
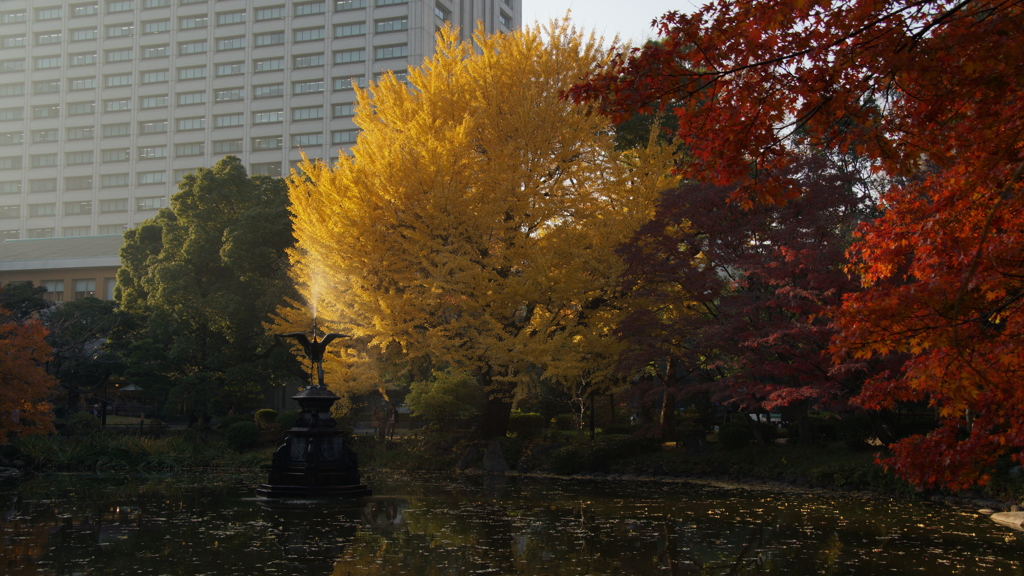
x=315 y=460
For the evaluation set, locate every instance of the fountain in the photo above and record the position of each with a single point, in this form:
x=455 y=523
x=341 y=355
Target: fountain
x=314 y=460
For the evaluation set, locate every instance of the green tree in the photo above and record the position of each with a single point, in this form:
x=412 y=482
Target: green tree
x=203 y=276
x=21 y=299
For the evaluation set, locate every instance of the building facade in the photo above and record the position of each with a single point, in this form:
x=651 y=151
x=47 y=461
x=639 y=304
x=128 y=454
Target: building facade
x=106 y=105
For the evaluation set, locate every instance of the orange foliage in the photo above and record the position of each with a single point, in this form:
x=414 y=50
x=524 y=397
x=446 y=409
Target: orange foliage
x=930 y=94
x=24 y=384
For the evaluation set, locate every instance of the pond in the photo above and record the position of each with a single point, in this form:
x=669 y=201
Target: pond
x=426 y=525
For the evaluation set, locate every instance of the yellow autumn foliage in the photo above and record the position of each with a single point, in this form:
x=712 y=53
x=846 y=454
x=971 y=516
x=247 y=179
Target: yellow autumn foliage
x=473 y=225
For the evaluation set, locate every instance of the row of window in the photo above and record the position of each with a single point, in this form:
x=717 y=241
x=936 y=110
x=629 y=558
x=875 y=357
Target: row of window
x=83 y=208
x=83 y=287
x=225 y=18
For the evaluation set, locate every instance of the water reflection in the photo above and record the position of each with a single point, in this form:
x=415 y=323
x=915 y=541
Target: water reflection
x=64 y=525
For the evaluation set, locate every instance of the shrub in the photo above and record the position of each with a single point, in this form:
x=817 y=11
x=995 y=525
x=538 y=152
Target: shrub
x=597 y=455
x=265 y=416
x=855 y=431
x=563 y=422
x=83 y=424
x=735 y=435
x=287 y=419
x=512 y=450
x=526 y=425
x=446 y=398
x=242 y=435
x=229 y=421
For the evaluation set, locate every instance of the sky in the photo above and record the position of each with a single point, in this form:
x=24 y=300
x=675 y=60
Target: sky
x=630 y=19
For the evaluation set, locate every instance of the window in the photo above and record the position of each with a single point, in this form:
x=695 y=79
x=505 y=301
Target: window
x=47 y=62
x=313 y=87
x=187 y=2
x=45 y=111
x=116 y=105
x=148 y=102
x=81 y=84
x=110 y=130
x=10 y=163
x=310 y=8
x=80 y=10
x=392 y=25
x=390 y=2
x=275 y=13
x=303 y=140
x=151 y=152
x=192 y=22
x=85 y=288
x=268 y=91
x=310 y=113
x=194 y=149
x=192 y=47
x=156 y=127
x=113 y=181
x=191 y=124
x=12 y=66
x=12 y=17
x=266 y=169
x=8 y=212
x=270 y=143
x=385 y=52
x=115 y=155
x=309 y=34
x=342 y=5
x=120 y=6
x=152 y=178
x=83 y=59
x=192 y=73
x=12 y=89
x=81 y=133
x=40 y=210
x=81 y=108
x=12 y=41
x=228 y=120
x=40 y=232
x=346 y=110
x=154 y=203
x=44 y=136
x=180 y=173
x=228 y=95
x=119 y=205
x=147 y=4
x=49 y=38
x=308 y=61
x=346 y=56
x=117 y=80
x=118 y=55
x=73 y=158
x=228 y=18
x=10 y=187
x=46 y=87
x=191 y=98
x=78 y=208
x=353 y=29
x=269 y=117
x=73 y=231
x=268 y=65
x=344 y=136
x=12 y=138
x=346 y=82
x=227 y=146
x=442 y=13
x=43 y=160
x=232 y=69
x=400 y=75
x=52 y=13
x=120 y=31
x=156 y=51
x=505 y=19
x=236 y=43
x=112 y=229
x=83 y=34
x=156 y=27
x=78 y=183
x=156 y=76
x=42 y=185
x=272 y=39
x=12 y=113
x=54 y=290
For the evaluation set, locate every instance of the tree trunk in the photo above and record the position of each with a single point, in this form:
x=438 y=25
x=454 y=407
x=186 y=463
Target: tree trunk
x=804 y=425
x=494 y=420
x=668 y=415
x=611 y=408
x=755 y=428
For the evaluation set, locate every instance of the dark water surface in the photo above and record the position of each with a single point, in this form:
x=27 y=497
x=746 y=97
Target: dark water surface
x=427 y=525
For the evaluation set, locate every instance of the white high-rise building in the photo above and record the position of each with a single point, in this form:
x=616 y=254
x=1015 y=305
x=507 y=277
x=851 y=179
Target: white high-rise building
x=104 y=106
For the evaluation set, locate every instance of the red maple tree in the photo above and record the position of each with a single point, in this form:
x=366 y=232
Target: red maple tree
x=24 y=384
x=930 y=93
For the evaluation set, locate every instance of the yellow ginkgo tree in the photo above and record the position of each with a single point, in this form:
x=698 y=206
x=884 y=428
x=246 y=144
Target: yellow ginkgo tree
x=473 y=225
